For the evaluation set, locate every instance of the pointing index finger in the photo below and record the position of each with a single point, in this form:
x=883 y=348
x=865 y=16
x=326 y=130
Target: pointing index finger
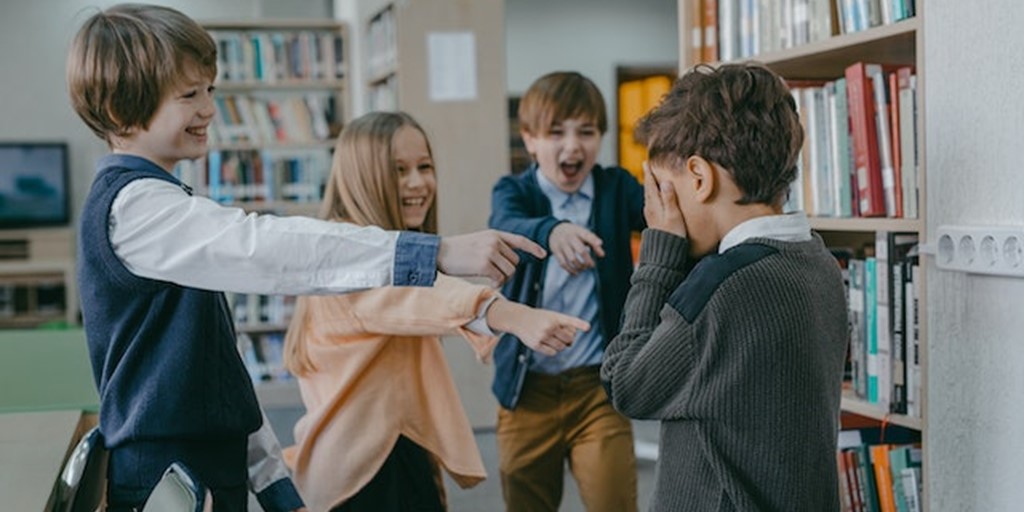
x=522 y=243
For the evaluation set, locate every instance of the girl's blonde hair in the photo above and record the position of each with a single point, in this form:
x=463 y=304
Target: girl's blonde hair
x=362 y=189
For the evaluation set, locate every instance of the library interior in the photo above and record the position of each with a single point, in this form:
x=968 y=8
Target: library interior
x=906 y=172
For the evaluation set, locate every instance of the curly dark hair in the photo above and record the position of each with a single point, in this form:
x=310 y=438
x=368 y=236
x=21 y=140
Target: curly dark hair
x=739 y=116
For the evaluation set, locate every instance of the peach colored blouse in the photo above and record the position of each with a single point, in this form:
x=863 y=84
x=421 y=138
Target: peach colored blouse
x=381 y=373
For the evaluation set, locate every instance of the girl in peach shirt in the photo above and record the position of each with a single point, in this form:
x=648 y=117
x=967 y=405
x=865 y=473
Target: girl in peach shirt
x=383 y=415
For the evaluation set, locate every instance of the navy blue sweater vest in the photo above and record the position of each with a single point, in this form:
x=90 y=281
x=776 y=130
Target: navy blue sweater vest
x=164 y=356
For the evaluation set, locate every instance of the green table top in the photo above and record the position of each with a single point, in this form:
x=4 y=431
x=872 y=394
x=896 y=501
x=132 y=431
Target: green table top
x=45 y=370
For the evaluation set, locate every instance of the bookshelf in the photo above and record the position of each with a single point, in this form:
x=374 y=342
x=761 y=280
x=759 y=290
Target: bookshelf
x=443 y=62
x=282 y=98
x=37 y=277
x=823 y=58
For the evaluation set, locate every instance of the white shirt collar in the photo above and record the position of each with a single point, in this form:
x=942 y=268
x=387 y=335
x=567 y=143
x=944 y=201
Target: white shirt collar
x=790 y=227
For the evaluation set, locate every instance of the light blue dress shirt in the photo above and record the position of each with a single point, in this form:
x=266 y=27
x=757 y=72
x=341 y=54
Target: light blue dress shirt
x=565 y=293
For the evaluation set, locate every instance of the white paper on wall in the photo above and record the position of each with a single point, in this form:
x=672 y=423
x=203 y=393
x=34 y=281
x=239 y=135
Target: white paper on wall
x=451 y=66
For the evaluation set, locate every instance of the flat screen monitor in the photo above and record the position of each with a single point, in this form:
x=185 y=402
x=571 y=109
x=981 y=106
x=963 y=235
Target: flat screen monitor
x=34 y=186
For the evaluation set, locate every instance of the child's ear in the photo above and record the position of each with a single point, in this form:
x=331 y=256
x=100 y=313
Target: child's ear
x=529 y=141
x=703 y=178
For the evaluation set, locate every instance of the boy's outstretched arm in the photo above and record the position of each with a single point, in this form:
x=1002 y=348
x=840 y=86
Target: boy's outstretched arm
x=160 y=232
x=489 y=253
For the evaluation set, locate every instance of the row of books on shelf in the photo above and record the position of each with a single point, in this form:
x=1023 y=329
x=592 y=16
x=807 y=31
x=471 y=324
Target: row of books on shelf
x=879 y=470
x=860 y=156
x=725 y=30
x=275 y=118
x=258 y=175
x=885 y=351
x=279 y=56
x=382 y=43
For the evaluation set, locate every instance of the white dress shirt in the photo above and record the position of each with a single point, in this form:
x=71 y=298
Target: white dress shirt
x=160 y=233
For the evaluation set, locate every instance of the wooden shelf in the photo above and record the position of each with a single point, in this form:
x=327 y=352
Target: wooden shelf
x=284 y=85
x=851 y=403
x=866 y=224
x=828 y=59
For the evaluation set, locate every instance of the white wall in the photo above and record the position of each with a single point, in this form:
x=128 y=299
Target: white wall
x=591 y=37
x=974 y=114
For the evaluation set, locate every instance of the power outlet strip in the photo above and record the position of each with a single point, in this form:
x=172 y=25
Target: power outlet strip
x=996 y=250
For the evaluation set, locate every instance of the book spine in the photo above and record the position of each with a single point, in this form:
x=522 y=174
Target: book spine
x=860 y=93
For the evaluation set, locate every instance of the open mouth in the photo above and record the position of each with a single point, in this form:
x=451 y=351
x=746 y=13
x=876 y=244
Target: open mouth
x=414 y=202
x=198 y=131
x=571 y=169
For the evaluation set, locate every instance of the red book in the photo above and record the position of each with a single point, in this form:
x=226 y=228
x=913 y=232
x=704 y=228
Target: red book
x=860 y=92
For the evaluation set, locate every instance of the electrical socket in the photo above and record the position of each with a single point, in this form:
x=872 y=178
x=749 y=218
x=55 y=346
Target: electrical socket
x=997 y=250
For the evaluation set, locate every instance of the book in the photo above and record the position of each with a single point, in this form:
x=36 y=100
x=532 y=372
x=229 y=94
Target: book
x=907 y=93
x=860 y=92
x=894 y=133
x=866 y=478
x=841 y=164
x=912 y=335
x=900 y=458
x=729 y=30
x=871 y=328
x=883 y=477
x=900 y=246
x=911 y=480
x=880 y=87
x=858 y=354
x=696 y=32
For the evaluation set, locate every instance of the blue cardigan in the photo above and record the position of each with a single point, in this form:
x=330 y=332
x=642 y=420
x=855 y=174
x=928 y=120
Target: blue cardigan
x=519 y=206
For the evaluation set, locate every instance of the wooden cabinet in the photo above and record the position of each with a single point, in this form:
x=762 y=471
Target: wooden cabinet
x=37 y=278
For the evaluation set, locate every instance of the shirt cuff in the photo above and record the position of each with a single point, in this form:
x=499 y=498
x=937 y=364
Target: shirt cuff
x=280 y=496
x=415 y=259
x=479 y=324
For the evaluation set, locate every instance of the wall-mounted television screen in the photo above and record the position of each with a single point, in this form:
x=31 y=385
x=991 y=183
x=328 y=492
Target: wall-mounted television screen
x=34 y=187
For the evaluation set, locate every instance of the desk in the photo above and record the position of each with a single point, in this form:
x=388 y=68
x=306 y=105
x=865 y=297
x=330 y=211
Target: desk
x=45 y=385
x=32 y=450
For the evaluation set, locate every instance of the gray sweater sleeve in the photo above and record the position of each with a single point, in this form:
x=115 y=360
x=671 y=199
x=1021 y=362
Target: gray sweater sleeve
x=653 y=335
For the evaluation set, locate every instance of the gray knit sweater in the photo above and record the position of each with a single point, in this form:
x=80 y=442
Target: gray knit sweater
x=742 y=362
